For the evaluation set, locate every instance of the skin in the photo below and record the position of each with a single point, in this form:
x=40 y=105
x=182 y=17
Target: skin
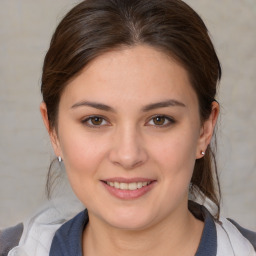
x=129 y=143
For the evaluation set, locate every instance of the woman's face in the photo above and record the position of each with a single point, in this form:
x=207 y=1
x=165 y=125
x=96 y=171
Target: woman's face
x=129 y=133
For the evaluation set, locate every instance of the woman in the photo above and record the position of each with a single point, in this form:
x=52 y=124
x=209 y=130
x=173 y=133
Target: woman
x=129 y=103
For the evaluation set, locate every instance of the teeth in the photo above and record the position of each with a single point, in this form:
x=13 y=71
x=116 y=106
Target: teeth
x=132 y=186
x=128 y=186
x=116 y=185
x=123 y=186
x=139 y=185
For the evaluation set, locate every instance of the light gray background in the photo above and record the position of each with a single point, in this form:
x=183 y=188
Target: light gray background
x=25 y=153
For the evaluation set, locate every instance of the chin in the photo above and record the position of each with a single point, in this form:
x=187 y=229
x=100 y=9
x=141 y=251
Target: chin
x=132 y=225
x=129 y=219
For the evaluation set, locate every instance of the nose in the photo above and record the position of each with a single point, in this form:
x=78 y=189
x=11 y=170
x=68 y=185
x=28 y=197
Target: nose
x=127 y=149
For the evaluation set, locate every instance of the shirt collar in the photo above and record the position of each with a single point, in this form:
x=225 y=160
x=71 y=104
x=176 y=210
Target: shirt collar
x=67 y=240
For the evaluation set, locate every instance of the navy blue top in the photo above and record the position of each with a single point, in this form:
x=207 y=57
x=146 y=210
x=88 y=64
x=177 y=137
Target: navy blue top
x=67 y=240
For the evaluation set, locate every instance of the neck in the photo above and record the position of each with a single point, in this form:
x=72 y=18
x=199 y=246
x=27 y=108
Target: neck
x=164 y=238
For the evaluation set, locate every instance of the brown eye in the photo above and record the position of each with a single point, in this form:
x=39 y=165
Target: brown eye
x=159 y=120
x=96 y=120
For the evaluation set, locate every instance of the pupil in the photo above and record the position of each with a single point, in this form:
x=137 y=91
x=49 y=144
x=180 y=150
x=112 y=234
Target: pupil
x=159 y=120
x=97 y=120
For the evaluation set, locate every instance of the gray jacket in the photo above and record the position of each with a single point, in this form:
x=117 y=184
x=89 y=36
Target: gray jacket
x=10 y=237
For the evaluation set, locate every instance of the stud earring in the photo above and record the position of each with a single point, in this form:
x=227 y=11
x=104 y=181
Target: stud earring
x=59 y=159
x=202 y=153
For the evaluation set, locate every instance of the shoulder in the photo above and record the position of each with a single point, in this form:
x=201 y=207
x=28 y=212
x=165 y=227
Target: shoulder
x=9 y=238
x=233 y=237
x=67 y=239
x=34 y=237
x=250 y=235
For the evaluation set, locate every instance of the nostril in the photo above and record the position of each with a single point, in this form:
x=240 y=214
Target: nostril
x=127 y=150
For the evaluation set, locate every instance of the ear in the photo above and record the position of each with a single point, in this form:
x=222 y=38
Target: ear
x=207 y=130
x=52 y=132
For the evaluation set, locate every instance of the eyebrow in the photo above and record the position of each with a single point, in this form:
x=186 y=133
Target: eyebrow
x=93 y=105
x=163 y=104
x=100 y=106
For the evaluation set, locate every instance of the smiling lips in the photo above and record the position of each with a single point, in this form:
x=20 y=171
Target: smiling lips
x=128 y=189
x=128 y=186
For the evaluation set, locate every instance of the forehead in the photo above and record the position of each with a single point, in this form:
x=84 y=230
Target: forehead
x=134 y=75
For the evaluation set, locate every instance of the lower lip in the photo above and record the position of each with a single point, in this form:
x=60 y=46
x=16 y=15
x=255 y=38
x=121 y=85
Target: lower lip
x=129 y=194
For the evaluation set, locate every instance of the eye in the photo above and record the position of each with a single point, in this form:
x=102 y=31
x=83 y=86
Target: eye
x=161 y=120
x=95 y=121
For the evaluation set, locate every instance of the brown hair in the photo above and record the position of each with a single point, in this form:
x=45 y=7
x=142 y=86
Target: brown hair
x=94 y=27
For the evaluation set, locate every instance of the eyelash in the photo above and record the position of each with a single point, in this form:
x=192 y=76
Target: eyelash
x=167 y=121
x=90 y=118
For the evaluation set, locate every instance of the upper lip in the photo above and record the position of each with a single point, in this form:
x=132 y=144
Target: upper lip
x=128 y=180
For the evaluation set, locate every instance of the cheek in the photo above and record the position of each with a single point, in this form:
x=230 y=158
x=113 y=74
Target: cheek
x=82 y=153
x=176 y=149
x=82 y=156
x=175 y=156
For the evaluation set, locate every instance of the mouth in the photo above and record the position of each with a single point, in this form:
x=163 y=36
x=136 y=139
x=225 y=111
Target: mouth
x=128 y=186
x=128 y=189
